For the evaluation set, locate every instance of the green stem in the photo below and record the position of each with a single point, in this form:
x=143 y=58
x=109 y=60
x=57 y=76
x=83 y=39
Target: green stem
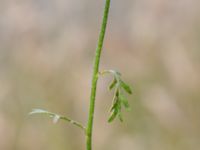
x=95 y=76
x=74 y=123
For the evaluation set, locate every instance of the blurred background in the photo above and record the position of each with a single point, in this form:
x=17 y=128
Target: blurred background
x=46 y=55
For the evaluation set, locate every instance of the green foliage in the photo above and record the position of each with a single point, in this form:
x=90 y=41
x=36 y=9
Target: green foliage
x=113 y=84
x=119 y=98
x=126 y=87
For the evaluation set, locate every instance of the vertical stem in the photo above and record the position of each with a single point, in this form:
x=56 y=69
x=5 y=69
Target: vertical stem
x=95 y=75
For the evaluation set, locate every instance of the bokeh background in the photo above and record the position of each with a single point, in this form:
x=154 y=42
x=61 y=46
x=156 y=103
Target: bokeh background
x=46 y=55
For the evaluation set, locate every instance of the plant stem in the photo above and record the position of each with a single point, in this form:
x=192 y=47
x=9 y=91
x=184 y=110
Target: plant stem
x=95 y=76
x=74 y=123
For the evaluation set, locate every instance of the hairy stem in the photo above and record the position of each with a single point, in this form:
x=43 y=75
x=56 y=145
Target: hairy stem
x=95 y=75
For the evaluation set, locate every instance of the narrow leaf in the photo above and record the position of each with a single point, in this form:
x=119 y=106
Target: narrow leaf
x=114 y=106
x=113 y=115
x=115 y=100
x=126 y=104
x=124 y=101
x=126 y=87
x=119 y=110
x=112 y=85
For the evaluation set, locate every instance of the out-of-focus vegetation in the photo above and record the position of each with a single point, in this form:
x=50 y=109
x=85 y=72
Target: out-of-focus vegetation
x=46 y=52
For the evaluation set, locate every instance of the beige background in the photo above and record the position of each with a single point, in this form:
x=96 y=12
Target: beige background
x=46 y=55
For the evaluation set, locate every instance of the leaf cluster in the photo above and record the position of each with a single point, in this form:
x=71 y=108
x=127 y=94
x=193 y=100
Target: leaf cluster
x=119 y=99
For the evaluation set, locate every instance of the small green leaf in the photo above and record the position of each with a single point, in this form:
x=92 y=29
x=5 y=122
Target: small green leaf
x=112 y=85
x=115 y=100
x=126 y=104
x=113 y=115
x=114 y=106
x=119 y=111
x=126 y=87
x=124 y=101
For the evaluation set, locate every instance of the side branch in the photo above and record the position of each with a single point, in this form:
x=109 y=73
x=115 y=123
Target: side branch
x=57 y=117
